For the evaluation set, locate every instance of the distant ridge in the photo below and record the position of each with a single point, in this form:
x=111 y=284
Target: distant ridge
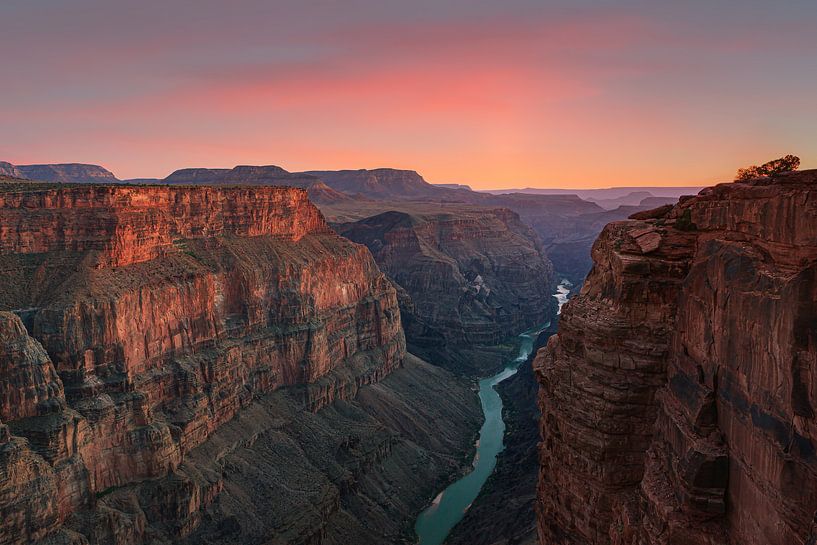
x=60 y=173
x=9 y=170
x=381 y=183
x=319 y=192
x=455 y=186
x=603 y=193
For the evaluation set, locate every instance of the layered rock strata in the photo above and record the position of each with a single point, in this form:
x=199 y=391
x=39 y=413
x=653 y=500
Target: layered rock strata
x=139 y=320
x=467 y=278
x=566 y=224
x=678 y=398
x=359 y=471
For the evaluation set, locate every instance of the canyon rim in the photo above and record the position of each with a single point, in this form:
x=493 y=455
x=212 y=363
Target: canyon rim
x=532 y=272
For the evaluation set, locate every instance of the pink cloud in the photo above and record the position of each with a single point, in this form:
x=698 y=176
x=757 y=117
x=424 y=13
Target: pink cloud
x=509 y=100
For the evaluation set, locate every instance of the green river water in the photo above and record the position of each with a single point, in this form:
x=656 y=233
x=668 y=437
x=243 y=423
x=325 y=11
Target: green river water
x=435 y=523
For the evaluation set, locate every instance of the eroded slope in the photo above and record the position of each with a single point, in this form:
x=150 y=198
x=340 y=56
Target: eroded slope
x=467 y=278
x=138 y=321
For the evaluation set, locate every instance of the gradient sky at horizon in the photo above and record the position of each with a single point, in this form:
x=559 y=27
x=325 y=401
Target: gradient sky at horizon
x=494 y=94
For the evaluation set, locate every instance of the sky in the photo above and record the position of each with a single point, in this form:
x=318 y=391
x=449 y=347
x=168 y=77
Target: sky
x=494 y=94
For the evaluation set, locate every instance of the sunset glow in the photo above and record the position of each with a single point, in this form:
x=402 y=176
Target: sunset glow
x=492 y=94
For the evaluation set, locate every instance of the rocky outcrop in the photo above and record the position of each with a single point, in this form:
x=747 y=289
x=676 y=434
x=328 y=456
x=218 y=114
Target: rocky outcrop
x=139 y=321
x=677 y=399
x=467 y=279
x=66 y=173
x=318 y=191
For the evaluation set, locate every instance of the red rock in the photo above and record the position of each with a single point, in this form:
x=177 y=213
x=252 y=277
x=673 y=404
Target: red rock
x=677 y=402
x=164 y=310
x=30 y=385
x=125 y=224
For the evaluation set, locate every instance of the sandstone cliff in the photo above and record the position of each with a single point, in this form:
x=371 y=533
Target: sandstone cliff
x=678 y=398
x=138 y=321
x=467 y=278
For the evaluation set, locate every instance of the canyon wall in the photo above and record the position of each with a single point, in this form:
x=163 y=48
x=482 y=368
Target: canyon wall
x=566 y=224
x=136 y=322
x=468 y=278
x=678 y=397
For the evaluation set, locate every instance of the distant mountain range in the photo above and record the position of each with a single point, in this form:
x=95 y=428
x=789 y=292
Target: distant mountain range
x=59 y=173
x=566 y=220
x=612 y=197
x=380 y=183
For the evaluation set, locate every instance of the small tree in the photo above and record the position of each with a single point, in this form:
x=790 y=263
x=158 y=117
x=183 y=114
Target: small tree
x=784 y=164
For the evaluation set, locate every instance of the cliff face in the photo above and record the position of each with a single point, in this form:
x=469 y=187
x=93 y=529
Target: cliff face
x=358 y=471
x=138 y=321
x=678 y=397
x=124 y=225
x=566 y=224
x=466 y=277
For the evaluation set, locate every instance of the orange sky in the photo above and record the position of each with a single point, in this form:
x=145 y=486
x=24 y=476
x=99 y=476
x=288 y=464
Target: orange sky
x=544 y=94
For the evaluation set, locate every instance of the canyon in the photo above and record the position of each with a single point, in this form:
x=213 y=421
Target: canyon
x=207 y=362
x=678 y=396
x=174 y=357
x=503 y=513
x=215 y=358
x=565 y=223
x=468 y=279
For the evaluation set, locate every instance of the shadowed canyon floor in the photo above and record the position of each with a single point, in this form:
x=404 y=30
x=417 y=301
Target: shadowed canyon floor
x=355 y=472
x=503 y=513
x=435 y=523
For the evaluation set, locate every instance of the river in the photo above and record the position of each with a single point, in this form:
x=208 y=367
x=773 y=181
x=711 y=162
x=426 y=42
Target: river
x=435 y=523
